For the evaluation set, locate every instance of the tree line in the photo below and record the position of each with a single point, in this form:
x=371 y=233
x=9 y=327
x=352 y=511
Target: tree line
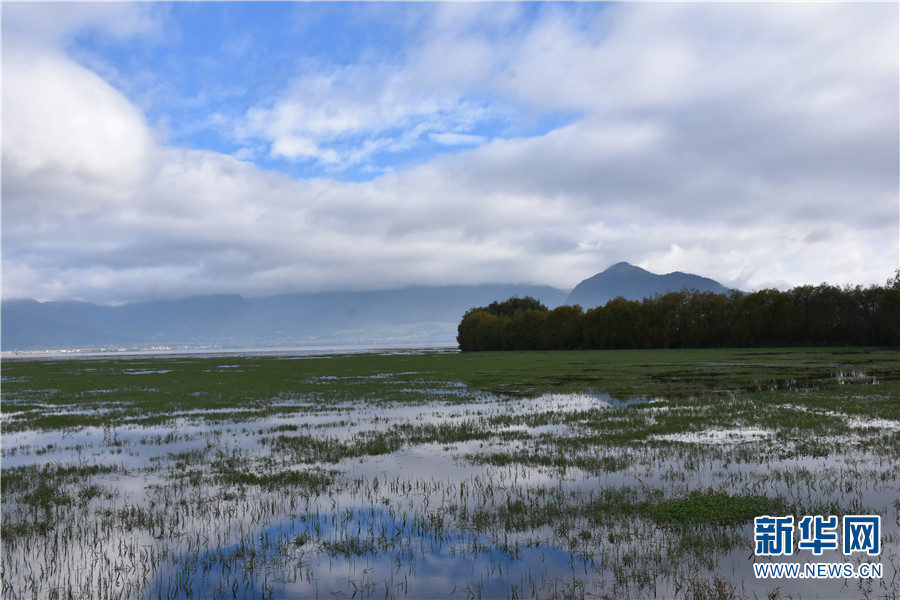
x=823 y=315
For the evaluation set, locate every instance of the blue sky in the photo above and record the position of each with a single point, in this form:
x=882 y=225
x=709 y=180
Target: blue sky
x=221 y=70
x=159 y=150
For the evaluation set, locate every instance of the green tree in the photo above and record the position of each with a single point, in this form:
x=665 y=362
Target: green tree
x=805 y=315
x=508 y=308
x=622 y=324
x=562 y=327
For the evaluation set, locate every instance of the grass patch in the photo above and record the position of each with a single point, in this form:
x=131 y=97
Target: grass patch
x=713 y=508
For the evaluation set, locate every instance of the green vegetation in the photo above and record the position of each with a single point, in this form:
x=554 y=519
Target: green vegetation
x=804 y=316
x=715 y=508
x=546 y=474
x=64 y=394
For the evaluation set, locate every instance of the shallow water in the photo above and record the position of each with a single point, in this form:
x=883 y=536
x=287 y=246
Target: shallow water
x=419 y=519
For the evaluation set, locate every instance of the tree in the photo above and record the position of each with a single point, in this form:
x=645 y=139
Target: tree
x=561 y=329
x=818 y=316
x=622 y=329
x=509 y=308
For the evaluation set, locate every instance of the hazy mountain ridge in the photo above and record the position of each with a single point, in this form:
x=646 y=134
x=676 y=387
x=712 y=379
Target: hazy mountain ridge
x=417 y=314
x=634 y=283
x=427 y=315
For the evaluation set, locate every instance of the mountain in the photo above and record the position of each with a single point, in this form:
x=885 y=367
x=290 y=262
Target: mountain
x=634 y=283
x=427 y=315
x=413 y=315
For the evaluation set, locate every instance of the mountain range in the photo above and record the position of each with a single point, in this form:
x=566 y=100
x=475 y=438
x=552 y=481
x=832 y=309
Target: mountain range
x=412 y=315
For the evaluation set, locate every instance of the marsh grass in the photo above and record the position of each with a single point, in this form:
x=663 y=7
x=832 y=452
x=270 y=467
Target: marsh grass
x=545 y=474
x=710 y=507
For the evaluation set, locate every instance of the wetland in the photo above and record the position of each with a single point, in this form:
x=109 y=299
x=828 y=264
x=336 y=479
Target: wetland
x=438 y=474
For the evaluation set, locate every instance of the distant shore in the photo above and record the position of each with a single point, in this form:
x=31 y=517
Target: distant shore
x=202 y=352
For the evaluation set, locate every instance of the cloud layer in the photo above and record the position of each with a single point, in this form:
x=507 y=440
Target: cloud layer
x=753 y=143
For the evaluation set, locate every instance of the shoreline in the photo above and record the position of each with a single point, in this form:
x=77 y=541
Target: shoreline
x=206 y=352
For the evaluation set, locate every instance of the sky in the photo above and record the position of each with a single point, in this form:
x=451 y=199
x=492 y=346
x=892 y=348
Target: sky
x=162 y=150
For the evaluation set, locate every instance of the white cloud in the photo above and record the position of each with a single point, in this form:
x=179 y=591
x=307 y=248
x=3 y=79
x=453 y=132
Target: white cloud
x=62 y=119
x=756 y=144
x=344 y=116
x=457 y=139
x=73 y=148
x=53 y=23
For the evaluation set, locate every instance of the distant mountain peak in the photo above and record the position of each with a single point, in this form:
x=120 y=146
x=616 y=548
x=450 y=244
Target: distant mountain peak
x=624 y=267
x=634 y=283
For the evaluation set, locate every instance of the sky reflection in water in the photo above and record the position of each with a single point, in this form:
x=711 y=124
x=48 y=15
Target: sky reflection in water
x=348 y=544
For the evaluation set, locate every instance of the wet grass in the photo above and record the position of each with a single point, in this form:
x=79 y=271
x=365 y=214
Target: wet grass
x=149 y=390
x=709 y=507
x=545 y=474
